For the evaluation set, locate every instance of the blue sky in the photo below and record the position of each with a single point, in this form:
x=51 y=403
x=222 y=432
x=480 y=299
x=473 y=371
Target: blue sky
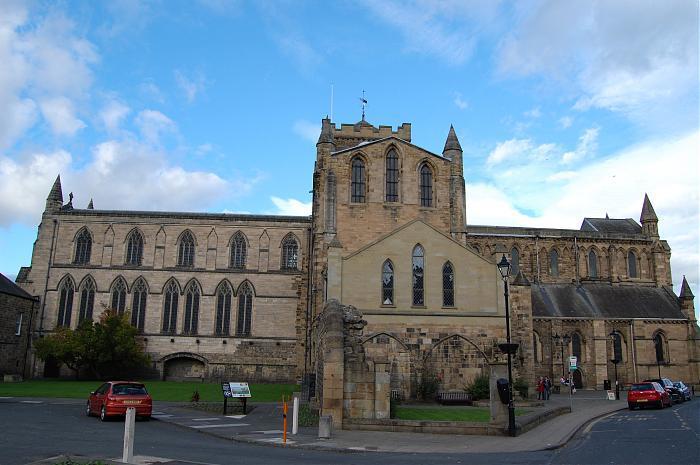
x=564 y=109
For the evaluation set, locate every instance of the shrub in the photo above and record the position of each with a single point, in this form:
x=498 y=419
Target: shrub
x=479 y=387
x=307 y=416
x=195 y=396
x=428 y=386
x=522 y=387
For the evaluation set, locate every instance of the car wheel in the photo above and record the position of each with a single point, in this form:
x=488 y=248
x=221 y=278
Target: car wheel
x=630 y=405
x=88 y=412
x=103 y=413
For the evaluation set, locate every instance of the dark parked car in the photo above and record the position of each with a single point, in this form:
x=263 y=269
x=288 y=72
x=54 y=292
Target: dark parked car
x=114 y=397
x=684 y=390
x=647 y=393
x=672 y=390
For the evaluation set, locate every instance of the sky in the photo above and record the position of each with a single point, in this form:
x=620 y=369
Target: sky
x=564 y=110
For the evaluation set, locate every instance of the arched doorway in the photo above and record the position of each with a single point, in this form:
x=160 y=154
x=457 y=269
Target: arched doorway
x=385 y=346
x=578 y=379
x=184 y=367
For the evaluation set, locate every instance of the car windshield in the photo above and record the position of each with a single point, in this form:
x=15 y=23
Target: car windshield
x=129 y=390
x=678 y=385
x=642 y=387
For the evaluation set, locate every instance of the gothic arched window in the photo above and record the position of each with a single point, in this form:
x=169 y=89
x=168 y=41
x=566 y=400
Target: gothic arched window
x=185 y=255
x=134 y=248
x=514 y=261
x=418 y=262
x=65 y=302
x=592 y=264
x=238 y=251
x=119 y=296
x=659 y=347
x=554 y=263
x=576 y=346
x=223 y=310
x=171 y=293
x=388 y=283
x=139 y=296
x=392 y=176
x=290 y=253
x=617 y=346
x=357 y=183
x=536 y=347
x=83 y=247
x=245 y=310
x=448 y=285
x=426 y=186
x=191 y=309
x=87 y=300
x=631 y=264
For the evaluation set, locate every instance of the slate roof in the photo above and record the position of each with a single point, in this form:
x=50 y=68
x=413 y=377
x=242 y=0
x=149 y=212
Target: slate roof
x=614 y=226
x=8 y=287
x=604 y=301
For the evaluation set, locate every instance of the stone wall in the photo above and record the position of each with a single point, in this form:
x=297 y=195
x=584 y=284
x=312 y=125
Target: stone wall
x=13 y=346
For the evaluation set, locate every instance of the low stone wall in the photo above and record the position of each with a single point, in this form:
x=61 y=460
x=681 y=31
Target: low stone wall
x=422 y=426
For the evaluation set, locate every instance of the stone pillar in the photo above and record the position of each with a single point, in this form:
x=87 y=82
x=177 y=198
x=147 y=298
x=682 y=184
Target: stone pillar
x=382 y=390
x=499 y=410
x=335 y=270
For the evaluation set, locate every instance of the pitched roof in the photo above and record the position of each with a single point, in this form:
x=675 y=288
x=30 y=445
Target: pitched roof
x=8 y=287
x=604 y=301
x=452 y=143
x=615 y=226
x=648 y=213
x=56 y=193
x=685 y=290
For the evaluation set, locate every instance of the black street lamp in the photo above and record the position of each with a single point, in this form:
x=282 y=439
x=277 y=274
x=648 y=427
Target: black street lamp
x=562 y=341
x=509 y=348
x=613 y=337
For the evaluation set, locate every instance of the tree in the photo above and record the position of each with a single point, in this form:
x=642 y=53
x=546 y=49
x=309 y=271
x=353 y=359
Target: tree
x=107 y=348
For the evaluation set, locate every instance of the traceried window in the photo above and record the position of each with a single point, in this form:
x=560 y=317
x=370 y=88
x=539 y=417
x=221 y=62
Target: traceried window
x=617 y=346
x=514 y=261
x=290 y=253
x=631 y=264
x=65 y=303
x=448 y=285
x=191 y=309
x=223 y=310
x=659 y=347
x=134 y=248
x=358 y=183
x=238 y=251
x=119 y=296
x=554 y=263
x=388 y=283
x=418 y=262
x=426 y=186
x=170 y=307
x=576 y=346
x=139 y=296
x=185 y=256
x=245 y=310
x=83 y=247
x=392 y=176
x=592 y=264
x=87 y=300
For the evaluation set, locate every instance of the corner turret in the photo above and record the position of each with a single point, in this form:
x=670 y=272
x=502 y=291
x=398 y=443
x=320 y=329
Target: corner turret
x=54 y=201
x=649 y=220
x=686 y=300
x=458 y=207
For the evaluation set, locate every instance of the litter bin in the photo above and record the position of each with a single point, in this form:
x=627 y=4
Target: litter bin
x=606 y=385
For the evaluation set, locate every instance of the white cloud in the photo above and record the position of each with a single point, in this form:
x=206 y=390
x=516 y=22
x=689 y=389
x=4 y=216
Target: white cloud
x=587 y=146
x=112 y=115
x=190 y=86
x=566 y=121
x=622 y=56
x=203 y=149
x=460 y=102
x=291 y=207
x=509 y=149
x=60 y=114
x=533 y=113
x=153 y=123
x=307 y=130
x=561 y=176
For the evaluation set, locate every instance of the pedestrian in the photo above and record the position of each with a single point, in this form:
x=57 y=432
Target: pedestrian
x=547 y=387
x=540 y=388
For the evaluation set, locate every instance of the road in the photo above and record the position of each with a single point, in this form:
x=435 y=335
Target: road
x=33 y=431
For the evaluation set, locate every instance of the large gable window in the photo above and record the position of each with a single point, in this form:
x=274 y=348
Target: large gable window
x=392 y=176
x=87 y=300
x=185 y=255
x=65 y=302
x=170 y=307
x=659 y=347
x=418 y=261
x=358 y=183
x=388 y=283
x=554 y=263
x=139 y=296
x=426 y=186
x=191 y=309
x=238 y=251
x=631 y=264
x=592 y=264
x=245 y=310
x=134 y=248
x=223 y=310
x=448 y=285
x=83 y=247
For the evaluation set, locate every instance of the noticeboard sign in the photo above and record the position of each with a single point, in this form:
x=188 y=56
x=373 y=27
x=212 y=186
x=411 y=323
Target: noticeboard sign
x=573 y=361
x=226 y=389
x=611 y=395
x=239 y=390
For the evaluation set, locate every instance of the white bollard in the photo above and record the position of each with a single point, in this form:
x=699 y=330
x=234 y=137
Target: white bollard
x=129 y=424
x=295 y=415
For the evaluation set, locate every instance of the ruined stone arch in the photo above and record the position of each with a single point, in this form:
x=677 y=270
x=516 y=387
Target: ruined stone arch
x=455 y=360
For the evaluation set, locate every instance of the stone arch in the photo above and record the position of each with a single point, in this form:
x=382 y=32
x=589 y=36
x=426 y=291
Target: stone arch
x=388 y=347
x=455 y=360
x=184 y=366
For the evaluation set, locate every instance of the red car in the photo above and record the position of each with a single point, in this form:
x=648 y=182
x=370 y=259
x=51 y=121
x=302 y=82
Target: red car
x=648 y=393
x=114 y=397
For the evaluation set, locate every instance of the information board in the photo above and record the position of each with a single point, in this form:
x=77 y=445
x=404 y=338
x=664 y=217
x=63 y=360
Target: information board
x=572 y=363
x=239 y=390
x=611 y=395
x=226 y=389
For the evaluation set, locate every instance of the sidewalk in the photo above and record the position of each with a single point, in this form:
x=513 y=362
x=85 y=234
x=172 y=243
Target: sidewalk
x=263 y=425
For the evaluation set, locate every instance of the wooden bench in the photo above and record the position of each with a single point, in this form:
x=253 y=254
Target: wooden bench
x=454 y=398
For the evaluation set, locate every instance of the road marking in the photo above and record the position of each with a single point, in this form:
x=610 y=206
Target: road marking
x=6 y=397
x=237 y=417
x=206 y=419
x=161 y=415
x=666 y=429
x=277 y=441
x=31 y=401
x=228 y=425
x=270 y=431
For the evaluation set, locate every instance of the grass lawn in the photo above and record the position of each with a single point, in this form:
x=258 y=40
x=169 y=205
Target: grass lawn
x=476 y=414
x=159 y=390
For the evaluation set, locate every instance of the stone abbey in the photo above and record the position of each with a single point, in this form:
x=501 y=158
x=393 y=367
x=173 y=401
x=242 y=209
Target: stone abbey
x=238 y=297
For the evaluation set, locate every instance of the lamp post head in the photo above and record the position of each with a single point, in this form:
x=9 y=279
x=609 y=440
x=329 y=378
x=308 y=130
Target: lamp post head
x=504 y=267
